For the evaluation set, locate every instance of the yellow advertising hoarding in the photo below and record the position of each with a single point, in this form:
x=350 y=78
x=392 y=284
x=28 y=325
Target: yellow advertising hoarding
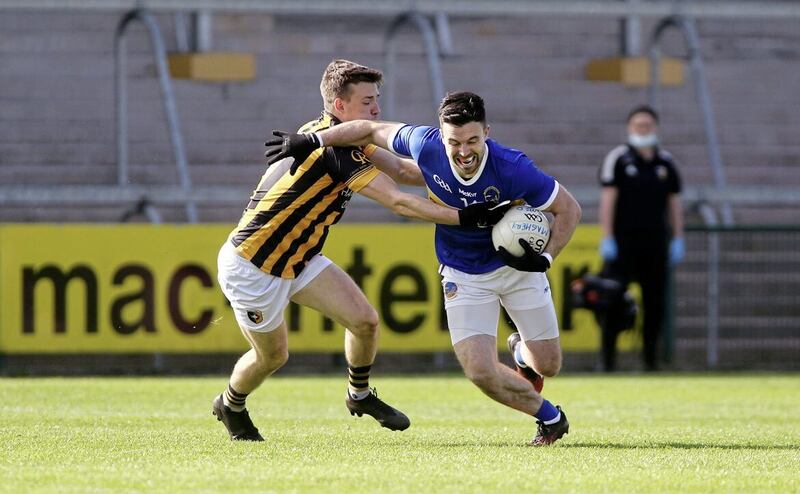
x=152 y=288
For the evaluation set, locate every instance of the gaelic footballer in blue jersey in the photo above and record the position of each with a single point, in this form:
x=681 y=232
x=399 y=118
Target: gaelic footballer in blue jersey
x=461 y=166
x=493 y=172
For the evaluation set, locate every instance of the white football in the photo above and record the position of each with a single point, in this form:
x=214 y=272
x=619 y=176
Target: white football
x=521 y=222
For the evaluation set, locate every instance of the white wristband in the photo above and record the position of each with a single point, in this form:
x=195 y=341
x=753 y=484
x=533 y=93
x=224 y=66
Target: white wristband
x=548 y=257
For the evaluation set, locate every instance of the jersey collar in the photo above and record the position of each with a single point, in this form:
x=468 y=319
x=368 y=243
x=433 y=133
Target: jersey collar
x=330 y=116
x=477 y=175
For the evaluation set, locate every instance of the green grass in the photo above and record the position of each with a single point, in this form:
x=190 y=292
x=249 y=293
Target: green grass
x=684 y=433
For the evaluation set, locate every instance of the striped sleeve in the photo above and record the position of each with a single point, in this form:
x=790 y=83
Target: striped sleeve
x=362 y=178
x=609 y=164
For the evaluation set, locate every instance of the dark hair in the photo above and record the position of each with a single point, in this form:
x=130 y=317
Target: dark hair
x=462 y=107
x=338 y=76
x=643 y=109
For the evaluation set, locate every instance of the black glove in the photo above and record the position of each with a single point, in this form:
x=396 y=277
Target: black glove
x=483 y=214
x=530 y=261
x=297 y=146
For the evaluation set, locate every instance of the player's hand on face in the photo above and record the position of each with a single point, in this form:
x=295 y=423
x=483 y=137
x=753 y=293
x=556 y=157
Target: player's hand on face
x=483 y=214
x=529 y=261
x=286 y=145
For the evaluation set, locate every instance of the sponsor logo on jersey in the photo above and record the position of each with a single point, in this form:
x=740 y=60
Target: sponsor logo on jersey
x=631 y=170
x=450 y=290
x=491 y=194
x=467 y=193
x=346 y=194
x=359 y=157
x=441 y=183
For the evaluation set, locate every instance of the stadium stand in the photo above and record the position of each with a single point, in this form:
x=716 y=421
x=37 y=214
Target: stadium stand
x=57 y=127
x=58 y=111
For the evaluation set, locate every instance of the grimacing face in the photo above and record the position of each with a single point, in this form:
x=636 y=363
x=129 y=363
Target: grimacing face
x=642 y=124
x=465 y=146
x=361 y=103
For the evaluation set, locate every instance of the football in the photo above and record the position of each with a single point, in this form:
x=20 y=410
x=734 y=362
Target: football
x=521 y=222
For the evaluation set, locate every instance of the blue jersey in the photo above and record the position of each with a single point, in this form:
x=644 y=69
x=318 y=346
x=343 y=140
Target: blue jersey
x=505 y=173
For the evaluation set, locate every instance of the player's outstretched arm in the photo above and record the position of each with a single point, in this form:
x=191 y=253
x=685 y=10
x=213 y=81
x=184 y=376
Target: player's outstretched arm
x=384 y=190
x=299 y=146
x=352 y=133
x=403 y=171
x=567 y=214
x=359 y=133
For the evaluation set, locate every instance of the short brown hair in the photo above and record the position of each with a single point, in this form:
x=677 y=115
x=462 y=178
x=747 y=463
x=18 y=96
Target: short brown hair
x=338 y=76
x=462 y=107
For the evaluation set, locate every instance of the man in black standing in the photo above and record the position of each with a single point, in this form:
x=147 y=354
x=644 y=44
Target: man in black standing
x=642 y=221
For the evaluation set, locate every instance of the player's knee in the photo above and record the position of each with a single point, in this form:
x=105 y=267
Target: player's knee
x=273 y=359
x=366 y=324
x=549 y=367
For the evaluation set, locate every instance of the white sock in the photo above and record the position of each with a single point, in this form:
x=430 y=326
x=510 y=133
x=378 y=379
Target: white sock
x=358 y=395
x=518 y=355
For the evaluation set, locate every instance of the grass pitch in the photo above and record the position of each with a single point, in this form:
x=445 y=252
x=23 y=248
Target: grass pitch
x=680 y=433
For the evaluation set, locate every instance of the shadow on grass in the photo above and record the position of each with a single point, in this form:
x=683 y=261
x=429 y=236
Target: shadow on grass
x=678 y=445
x=648 y=445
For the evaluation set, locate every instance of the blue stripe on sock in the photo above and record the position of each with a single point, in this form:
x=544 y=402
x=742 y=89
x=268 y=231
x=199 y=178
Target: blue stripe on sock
x=547 y=412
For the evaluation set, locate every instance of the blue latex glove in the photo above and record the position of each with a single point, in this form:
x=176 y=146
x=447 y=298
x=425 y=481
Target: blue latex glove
x=608 y=248
x=677 y=250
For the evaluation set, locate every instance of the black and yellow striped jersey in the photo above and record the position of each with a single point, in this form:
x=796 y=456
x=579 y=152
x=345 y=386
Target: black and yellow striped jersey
x=288 y=217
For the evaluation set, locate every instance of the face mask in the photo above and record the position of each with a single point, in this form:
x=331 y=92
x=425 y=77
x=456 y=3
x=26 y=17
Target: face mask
x=642 y=141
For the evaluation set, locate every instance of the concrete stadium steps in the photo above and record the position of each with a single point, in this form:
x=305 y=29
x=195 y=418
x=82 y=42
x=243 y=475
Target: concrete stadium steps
x=57 y=118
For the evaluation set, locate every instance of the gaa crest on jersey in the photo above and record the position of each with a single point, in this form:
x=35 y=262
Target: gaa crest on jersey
x=631 y=171
x=661 y=172
x=491 y=194
x=255 y=316
x=441 y=183
x=450 y=290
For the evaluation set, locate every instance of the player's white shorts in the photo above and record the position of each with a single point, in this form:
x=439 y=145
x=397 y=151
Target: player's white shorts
x=258 y=299
x=473 y=303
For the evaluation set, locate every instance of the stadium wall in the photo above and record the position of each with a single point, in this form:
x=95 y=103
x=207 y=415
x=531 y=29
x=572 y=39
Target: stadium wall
x=57 y=127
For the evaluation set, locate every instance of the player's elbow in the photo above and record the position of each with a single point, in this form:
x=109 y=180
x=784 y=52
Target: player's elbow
x=410 y=175
x=395 y=201
x=403 y=177
x=572 y=210
x=577 y=211
x=398 y=204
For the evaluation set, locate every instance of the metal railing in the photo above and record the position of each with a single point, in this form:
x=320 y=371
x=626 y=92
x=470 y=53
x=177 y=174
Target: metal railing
x=689 y=31
x=170 y=110
x=767 y=9
x=738 y=298
x=432 y=54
